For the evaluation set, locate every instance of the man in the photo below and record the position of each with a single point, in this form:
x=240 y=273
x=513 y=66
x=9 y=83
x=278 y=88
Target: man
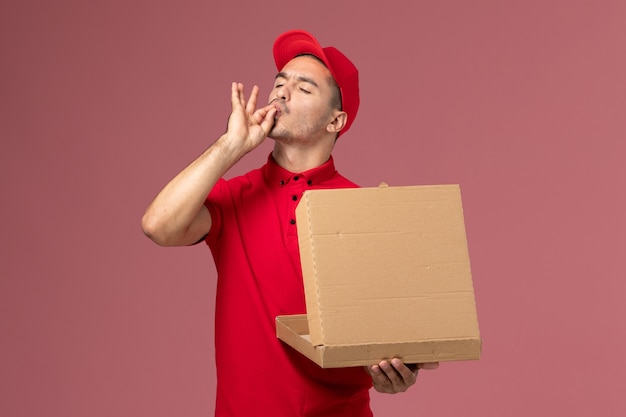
x=249 y=224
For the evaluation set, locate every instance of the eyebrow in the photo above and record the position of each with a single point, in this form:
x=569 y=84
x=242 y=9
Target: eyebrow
x=299 y=78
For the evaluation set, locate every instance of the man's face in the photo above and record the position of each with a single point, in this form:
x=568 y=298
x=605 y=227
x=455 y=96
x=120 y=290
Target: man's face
x=305 y=95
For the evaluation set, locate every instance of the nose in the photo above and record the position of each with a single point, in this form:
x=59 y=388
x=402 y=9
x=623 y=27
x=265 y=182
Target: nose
x=282 y=93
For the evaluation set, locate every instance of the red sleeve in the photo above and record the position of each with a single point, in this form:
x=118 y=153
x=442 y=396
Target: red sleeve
x=214 y=202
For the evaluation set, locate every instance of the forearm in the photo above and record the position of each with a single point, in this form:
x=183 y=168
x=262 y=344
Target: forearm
x=177 y=215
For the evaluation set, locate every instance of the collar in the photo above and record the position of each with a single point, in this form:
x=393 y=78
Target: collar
x=276 y=175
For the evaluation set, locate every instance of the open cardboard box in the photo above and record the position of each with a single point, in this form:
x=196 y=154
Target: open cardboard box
x=386 y=274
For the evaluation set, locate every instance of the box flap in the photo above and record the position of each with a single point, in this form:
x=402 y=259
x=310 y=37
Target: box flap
x=386 y=264
x=294 y=330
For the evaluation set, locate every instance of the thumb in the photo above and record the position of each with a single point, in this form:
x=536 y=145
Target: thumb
x=268 y=120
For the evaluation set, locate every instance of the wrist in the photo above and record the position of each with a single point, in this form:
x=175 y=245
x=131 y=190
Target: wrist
x=229 y=147
x=227 y=150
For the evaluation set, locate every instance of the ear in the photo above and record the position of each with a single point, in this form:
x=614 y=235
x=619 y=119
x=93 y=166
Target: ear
x=339 y=122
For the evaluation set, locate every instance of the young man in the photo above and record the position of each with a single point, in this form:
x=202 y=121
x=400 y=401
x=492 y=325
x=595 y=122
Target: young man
x=249 y=224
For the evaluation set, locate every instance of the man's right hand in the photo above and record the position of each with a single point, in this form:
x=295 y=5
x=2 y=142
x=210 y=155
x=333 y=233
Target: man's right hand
x=247 y=126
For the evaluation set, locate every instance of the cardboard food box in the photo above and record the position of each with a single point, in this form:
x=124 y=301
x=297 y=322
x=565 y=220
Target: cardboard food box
x=386 y=274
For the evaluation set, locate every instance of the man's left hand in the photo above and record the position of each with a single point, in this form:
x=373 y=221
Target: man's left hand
x=394 y=376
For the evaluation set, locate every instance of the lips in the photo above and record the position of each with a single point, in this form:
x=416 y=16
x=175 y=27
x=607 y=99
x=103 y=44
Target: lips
x=277 y=106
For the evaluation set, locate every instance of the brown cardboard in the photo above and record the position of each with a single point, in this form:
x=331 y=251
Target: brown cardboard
x=386 y=274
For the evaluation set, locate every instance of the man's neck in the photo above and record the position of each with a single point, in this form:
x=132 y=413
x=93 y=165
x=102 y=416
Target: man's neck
x=300 y=159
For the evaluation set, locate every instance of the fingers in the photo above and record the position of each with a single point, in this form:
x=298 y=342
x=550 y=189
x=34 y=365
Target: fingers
x=235 y=90
x=268 y=120
x=254 y=95
x=380 y=381
x=400 y=375
x=246 y=123
x=394 y=376
x=238 y=98
x=264 y=117
x=236 y=95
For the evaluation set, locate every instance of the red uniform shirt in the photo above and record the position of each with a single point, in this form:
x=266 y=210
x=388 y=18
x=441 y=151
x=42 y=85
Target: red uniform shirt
x=255 y=247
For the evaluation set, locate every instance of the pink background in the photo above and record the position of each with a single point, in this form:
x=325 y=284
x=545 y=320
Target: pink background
x=101 y=102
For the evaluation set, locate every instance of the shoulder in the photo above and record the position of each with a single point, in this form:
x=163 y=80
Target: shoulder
x=346 y=182
x=339 y=181
x=236 y=184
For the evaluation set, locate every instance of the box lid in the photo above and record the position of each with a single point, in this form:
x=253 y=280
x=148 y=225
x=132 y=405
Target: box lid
x=386 y=264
